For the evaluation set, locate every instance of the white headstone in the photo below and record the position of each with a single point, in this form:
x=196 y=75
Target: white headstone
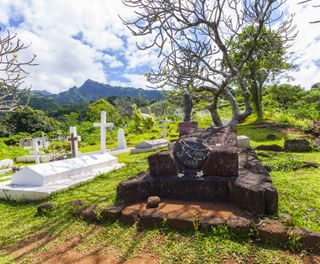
x=103 y=125
x=74 y=139
x=59 y=135
x=39 y=181
x=43 y=140
x=36 y=151
x=121 y=139
x=243 y=142
x=164 y=127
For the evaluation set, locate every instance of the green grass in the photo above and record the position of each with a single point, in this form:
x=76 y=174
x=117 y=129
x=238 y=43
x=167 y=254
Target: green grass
x=299 y=193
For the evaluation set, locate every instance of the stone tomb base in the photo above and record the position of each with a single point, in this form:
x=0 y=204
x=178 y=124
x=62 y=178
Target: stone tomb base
x=252 y=190
x=188 y=215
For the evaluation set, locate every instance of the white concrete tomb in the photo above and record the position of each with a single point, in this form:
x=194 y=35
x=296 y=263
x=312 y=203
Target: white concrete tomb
x=39 y=181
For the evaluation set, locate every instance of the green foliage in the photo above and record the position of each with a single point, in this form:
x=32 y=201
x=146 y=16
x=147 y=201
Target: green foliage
x=268 y=59
x=139 y=122
x=94 y=112
x=29 y=120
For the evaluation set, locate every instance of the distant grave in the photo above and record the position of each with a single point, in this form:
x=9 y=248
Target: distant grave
x=150 y=145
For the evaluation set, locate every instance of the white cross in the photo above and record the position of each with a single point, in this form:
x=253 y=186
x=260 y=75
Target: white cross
x=43 y=138
x=103 y=125
x=74 y=139
x=36 y=150
x=164 y=127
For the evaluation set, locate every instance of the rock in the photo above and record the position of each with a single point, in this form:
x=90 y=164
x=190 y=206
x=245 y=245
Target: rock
x=45 y=208
x=89 y=213
x=129 y=216
x=239 y=225
x=272 y=147
x=286 y=219
x=181 y=222
x=151 y=218
x=153 y=202
x=297 y=145
x=211 y=222
x=112 y=212
x=76 y=203
x=271 y=137
x=308 y=239
x=310 y=164
x=272 y=231
x=187 y=127
x=162 y=164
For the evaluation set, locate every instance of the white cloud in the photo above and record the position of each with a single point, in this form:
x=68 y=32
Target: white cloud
x=73 y=40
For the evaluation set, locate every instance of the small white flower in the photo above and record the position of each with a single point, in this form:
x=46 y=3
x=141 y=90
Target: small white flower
x=180 y=175
x=199 y=174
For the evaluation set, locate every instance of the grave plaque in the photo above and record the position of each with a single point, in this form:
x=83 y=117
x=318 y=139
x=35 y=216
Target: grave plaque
x=191 y=153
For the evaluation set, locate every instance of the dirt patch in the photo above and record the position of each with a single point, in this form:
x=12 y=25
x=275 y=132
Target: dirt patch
x=311 y=259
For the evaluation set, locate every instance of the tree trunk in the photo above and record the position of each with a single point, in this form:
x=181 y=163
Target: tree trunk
x=213 y=109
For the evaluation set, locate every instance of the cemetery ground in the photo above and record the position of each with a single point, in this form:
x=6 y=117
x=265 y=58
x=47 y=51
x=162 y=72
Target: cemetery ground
x=59 y=236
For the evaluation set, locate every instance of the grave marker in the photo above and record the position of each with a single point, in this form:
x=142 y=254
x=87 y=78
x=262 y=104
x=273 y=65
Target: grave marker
x=36 y=151
x=74 y=139
x=164 y=127
x=103 y=125
x=121 y=139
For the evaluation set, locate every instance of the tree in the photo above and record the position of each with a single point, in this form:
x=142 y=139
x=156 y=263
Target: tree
x=268 y=59
x=12 y=71
x=29 y=120
x=94 y=111
x=193 y=40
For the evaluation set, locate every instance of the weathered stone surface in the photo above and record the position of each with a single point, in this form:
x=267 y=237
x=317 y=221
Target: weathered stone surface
x=222 y=161
x=272 y=147
x=271 y=137
x=201 y=189
x=297 y=145
x=153 y=201
x=162 y=164
x=45 y=208
x=308 y=239
x=243 y=142
x=129 y=216
x=239 y=225
x=286 y=219
x=253 y=189
x=211 y=222
x=187 y=127
x=151 y=218
x=181 y=222
x=273 y=231
x=89 y=213
x=136 y=189
x=76 y=203
x=310 y=164
x=112 y=212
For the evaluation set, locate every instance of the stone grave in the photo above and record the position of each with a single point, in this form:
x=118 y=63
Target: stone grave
x=74 y=139
x=150 y=145
x=35 y=155
x=203 y=171
x=121 y=139
x=39 y=181
x=6 y=163
x=164 y=127
x=103 y=127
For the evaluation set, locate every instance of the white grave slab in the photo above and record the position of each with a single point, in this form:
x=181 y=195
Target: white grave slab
x=39 y=181
x=243 y=142
x=150 y=145
x=6 y=163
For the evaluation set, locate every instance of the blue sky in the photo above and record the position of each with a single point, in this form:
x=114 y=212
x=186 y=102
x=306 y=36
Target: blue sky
x=76 y=40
